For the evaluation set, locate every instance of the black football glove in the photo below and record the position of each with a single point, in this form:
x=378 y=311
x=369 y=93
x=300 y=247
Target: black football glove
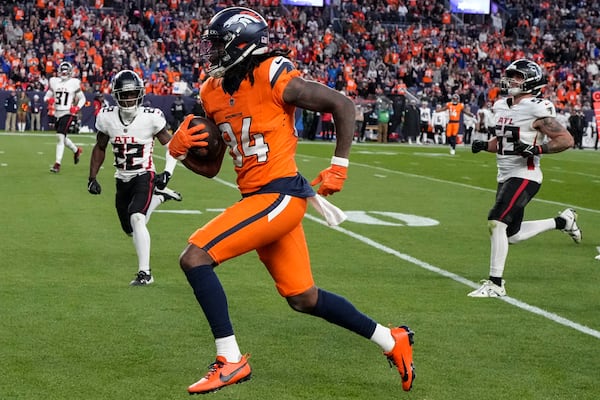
x=530 y=150
x=93 y=186
x=479 y=145
x=161 y=180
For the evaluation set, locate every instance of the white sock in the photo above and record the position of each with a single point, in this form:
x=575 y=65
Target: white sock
x=531 y=228
x=157 y=199
x=141 y=241
x=60 y=147
x=70 y=144
x=499 y=247
x=227 y=347
x=383 y=337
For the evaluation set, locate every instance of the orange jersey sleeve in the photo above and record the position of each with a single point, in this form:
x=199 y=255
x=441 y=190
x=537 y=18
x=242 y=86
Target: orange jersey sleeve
x=257 y=125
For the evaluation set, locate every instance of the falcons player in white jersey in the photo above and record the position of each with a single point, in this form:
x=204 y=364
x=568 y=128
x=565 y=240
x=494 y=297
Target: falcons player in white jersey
x=424 y=122
x=485 y=120
x=526 y=128
x=65 y=95
x=131 y=130
x=439 y=119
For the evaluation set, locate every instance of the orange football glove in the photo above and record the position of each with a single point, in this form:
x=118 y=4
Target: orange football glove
x=331 y=179
x=186 y=137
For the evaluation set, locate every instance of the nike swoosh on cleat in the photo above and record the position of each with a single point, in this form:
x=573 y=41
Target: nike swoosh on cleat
x=405 y=376
x=227 y=378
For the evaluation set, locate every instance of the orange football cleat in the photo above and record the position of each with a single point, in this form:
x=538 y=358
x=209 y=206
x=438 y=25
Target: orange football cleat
x=222 y=373
x=401 y=355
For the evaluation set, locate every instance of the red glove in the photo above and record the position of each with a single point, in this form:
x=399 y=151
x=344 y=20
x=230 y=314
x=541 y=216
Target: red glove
x=74 y=110
x=186 y=137
x=51 y=100
x=332 y=179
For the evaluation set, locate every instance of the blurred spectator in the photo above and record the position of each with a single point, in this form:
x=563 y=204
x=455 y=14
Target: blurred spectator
x=577 y=126
x=590 y=119
x=411 y=127
x=327 y=126
x=10 y=106
x=383 y=108
x=198 y=109
x=98 y=103
x=359 y=121
x=562 y=116
x=178 y=111
x=311 y=122
x=36 y=114
x=23 y=109
x=398 y=106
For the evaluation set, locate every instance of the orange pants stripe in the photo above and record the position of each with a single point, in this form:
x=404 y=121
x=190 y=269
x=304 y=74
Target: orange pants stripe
x=269 y=223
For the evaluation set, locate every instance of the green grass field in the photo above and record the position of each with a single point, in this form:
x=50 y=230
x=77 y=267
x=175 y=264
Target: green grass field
x=72 y=328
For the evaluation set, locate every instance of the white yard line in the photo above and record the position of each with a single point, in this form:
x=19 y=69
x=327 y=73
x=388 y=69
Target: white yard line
x=510 y=300
x=422 y=264
x=465 y=185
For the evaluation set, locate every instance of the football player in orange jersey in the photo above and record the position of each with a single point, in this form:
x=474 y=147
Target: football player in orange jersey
x=251 y=95
x=455 y=108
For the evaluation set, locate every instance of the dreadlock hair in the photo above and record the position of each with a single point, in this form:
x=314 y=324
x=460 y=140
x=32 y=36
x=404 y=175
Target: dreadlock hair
x=234 y=77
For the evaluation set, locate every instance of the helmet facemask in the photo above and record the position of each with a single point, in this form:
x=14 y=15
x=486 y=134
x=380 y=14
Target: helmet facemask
x=513 y=83
x=522 y=77
x=128 y=91
x=129 y=101
x=212 y=51
x=65 y=71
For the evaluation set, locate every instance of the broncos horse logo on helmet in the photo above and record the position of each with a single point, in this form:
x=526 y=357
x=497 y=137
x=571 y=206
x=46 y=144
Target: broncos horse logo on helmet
x=231 y=36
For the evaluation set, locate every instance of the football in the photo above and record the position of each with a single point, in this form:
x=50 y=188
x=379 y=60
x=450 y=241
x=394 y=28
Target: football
x=215 y=140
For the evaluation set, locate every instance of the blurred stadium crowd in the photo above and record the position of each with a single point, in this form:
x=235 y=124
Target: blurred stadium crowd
x=364 y=48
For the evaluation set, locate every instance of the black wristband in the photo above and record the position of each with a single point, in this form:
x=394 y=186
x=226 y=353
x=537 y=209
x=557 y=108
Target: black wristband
x=544 y=148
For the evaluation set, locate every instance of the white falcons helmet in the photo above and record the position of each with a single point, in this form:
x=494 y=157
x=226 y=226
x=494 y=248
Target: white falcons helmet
x=522 y=76
x=128 y=90
x=231 y=36
x=65 y=70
